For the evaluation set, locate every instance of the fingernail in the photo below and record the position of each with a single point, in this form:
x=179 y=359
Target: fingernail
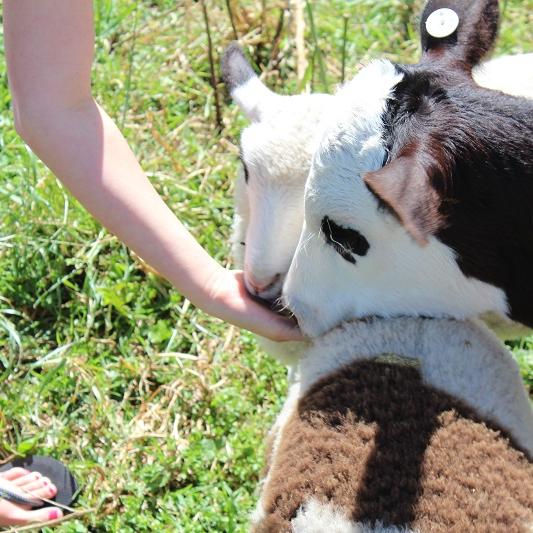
x=53 y=514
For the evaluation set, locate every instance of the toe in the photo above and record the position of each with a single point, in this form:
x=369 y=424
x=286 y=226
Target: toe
x=42 y=488
x=28 y=479
x=13 y=515
x=14 y=473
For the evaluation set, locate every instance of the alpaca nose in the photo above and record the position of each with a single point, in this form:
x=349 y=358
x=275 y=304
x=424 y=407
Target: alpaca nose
x=258 y=286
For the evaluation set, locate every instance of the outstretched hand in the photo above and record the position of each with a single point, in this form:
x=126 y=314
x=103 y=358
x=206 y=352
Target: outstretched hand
x=231 y=302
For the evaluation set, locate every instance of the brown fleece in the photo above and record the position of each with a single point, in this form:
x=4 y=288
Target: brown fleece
x=375 y=441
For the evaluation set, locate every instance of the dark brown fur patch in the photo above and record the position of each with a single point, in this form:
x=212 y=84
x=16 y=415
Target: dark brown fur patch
x=471 y=184
x=375 y=441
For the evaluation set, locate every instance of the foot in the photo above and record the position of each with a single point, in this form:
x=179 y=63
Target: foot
x=30 y=485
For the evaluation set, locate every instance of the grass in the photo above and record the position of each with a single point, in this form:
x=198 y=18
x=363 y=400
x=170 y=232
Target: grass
x=160 y=410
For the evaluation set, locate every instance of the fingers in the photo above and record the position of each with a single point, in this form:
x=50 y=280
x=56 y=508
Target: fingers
x=281 y=329
x=266 y=323
x=288 y=331
x=14 y=515
x=230 y=301
x=270 y=324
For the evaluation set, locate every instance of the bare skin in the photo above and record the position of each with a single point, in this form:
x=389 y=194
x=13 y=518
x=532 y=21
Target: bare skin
x=49 y=49
x=25 y=483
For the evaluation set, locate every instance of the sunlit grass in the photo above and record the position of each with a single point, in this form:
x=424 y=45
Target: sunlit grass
x=159 y=409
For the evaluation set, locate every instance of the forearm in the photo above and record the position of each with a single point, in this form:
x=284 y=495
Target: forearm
x=84 y=148
x=49 y=51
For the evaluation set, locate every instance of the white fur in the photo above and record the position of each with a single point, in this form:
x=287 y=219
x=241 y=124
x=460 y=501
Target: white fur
x=319 y=517
x=397 y=276
x=269 y=208
x=254 y=98
x=510 y=74
x=463 y=358
x=279 y=148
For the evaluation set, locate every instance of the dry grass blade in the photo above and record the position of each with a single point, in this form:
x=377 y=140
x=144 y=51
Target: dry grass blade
x=218 y=113
x=317 y=52
x=299 y=37
x=232 y=19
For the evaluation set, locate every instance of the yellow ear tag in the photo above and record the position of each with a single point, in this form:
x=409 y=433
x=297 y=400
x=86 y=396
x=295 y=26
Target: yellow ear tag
x=442 y=23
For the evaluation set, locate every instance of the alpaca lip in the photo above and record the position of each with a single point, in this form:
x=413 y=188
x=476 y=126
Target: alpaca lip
x=275 y=305
x=294 y=310
x=270 y=303
x=268 y=293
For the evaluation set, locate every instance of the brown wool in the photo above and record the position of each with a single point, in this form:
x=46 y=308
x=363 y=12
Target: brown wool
x=376 y=442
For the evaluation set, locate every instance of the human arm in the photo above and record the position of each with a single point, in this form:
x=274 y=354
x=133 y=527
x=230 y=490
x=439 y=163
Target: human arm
x=49 y=51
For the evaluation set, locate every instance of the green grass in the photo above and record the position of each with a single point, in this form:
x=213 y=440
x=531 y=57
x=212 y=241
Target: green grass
x=160 y=410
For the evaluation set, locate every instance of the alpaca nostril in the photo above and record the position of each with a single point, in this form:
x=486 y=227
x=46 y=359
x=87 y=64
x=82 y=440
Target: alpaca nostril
x=257 y=287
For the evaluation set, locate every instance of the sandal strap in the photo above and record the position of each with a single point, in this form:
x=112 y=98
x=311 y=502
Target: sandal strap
x=13 y=497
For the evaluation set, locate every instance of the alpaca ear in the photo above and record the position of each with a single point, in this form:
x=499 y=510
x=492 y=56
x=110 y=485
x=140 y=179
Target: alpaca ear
x=246 y=89
x=403 y=185
x=458 y=32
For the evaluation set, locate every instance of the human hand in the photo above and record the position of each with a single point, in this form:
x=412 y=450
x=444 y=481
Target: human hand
x=230 y=301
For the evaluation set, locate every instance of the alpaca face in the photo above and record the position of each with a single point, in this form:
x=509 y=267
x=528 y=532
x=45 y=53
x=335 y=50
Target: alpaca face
x=275 y=151
x=355 y=258
x=275 y=157
x=419 y=196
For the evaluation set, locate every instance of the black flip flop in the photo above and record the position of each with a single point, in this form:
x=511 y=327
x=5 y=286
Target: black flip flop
x=58 y=474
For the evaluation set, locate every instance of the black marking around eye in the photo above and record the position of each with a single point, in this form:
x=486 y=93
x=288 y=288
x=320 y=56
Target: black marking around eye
x=244 y=167
x=386 y=158
x=345 y=241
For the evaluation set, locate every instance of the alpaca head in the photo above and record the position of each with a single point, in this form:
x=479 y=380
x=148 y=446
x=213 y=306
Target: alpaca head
x=406 y=211
x=276 y=150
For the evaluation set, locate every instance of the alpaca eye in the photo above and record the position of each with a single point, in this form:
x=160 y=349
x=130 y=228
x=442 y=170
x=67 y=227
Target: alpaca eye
x=246 y=174
x=244 y=167
x=345 y=241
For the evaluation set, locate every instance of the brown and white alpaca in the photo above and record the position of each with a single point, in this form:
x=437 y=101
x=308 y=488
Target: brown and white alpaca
x=418 y=200
x=405 y=424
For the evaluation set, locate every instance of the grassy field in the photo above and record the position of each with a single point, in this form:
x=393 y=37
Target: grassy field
x=160 y=410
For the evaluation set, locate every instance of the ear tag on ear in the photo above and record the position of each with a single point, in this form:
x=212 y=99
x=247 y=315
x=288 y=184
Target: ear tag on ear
x=442 y=23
